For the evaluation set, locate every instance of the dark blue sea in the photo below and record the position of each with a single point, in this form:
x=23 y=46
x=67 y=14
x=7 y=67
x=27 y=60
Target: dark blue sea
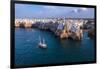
x=27 y=52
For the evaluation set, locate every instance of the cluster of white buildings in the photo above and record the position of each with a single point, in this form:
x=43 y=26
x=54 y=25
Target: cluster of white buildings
x=44 y=20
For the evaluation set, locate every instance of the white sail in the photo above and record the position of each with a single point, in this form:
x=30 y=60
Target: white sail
x=39 y=39
x=42 y=43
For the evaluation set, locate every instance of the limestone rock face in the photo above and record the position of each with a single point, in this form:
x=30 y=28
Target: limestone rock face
x=61 y=28
x=58 y=32
x=76 y=35
x=17 y=24
x=64 y=34
x=28 y=25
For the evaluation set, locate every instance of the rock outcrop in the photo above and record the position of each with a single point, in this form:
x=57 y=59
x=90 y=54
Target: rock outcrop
x=91 y=33
x=64 y=34
x=63 y=28
x=17 y=24
x=28 y=25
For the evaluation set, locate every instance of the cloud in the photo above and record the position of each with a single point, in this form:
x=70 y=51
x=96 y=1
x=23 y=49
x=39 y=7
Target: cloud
x=52 y=11
x=49 y=7
x=78 y=10
x=84 y=9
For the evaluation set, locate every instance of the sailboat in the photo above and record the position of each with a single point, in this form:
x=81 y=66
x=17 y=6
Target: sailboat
x=42 y=44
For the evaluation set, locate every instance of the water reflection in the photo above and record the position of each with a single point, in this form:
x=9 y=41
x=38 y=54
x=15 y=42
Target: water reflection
x=68 y=43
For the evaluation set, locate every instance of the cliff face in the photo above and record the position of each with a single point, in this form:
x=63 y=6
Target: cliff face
x=23 y=25
x=28 y=25
x=78 y=35
x=17 y=24
x=61 y=28
x=69 y=34
x=64 y=34
x=73 y=35
x=72 y=29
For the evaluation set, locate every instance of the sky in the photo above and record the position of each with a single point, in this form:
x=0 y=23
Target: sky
x=43 y=11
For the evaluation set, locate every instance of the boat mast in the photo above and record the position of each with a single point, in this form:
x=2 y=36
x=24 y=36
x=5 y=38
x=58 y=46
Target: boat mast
x=43 y=41
x=39 y=39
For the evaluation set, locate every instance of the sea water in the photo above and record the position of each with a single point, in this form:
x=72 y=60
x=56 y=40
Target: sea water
x=27 y=52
